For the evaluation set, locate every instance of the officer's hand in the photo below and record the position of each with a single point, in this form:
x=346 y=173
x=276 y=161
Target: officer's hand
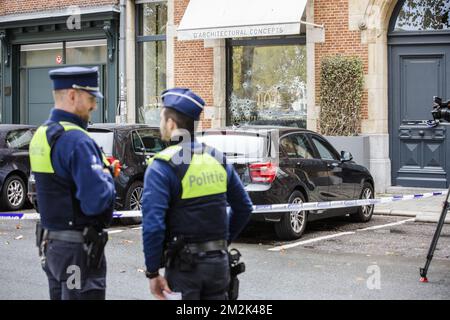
x=157 y=286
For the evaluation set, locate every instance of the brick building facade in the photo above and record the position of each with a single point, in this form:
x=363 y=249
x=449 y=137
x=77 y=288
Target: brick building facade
x=387 y=35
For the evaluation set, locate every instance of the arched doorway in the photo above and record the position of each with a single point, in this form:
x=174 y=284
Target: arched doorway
x=419 y=68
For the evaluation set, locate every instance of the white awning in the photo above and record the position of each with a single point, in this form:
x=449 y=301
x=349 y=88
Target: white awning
x=214 y=19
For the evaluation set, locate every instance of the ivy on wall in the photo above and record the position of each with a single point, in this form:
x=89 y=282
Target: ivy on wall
x=341 y=91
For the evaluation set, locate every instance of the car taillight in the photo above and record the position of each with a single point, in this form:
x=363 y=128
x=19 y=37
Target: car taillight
x=263 y=172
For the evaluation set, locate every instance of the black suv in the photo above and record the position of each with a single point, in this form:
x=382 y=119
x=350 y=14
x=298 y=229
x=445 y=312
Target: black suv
x=291 y=165
x=14 y=164
x=132 y=145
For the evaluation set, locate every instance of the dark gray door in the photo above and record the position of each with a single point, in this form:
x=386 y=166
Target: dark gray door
x=38 y=93
x=418 y=153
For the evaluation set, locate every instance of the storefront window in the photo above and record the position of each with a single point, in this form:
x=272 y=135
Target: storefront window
x=423 y=15
x=151 y=64
x=92 y=51
x=268 y=85
x=46 y=54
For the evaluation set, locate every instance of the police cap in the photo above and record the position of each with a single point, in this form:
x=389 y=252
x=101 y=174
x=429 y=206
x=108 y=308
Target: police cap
x=183 y=100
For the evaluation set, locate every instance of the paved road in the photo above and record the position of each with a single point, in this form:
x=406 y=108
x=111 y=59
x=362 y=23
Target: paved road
x=353 y=264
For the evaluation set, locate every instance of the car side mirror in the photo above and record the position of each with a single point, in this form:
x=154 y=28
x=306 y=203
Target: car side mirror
x=346 y=156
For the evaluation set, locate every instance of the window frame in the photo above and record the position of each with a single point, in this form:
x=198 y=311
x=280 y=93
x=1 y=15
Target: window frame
x=140 y=40
x=393 y=20
x=327 y=145
x=138 y=132
x=307 y=141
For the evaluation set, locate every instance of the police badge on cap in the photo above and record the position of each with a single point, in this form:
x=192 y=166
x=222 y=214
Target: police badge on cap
x=76 y=78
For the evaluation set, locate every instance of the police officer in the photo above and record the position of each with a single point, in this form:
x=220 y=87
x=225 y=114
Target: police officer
x=75 y=190
x=186 y=190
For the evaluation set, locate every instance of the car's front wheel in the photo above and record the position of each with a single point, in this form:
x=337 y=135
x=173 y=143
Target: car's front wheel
x=133 y=201
x=292 y=224
x=364 y=213
x=13 y=193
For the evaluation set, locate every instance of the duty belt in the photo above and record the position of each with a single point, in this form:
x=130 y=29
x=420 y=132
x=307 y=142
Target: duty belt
x=65 y=235
x=208 y=246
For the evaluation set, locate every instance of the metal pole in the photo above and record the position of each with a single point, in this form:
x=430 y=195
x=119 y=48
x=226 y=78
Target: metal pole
x=312 y=24
x=122 y=61
x=437 y=233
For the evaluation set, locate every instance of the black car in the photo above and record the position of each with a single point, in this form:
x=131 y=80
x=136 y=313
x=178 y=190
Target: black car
x=14 y=164
x=291 y=165
x=132 y=145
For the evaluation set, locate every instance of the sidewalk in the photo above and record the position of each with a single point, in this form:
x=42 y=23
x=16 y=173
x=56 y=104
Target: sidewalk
x=424 y=210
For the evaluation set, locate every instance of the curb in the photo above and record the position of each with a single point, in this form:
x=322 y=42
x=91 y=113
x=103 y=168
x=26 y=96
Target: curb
x=420 y=216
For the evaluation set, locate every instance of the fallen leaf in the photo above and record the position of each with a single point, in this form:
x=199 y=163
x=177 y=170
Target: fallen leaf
x=18 y=237
x=360 y=279
x=127 y=241
x=141 y=270
x=18 y=227
x=122 y=271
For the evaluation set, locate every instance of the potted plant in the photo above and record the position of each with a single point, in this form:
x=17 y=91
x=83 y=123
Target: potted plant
x=341 y=92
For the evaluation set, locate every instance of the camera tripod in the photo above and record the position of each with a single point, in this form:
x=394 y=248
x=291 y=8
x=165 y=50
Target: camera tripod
x=437 y=233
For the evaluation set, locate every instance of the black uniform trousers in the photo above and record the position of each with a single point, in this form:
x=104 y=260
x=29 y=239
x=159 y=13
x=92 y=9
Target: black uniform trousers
x=208 y=280
x=69 y=277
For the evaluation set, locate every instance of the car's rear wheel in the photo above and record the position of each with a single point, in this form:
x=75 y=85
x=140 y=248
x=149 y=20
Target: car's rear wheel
x=133 y=201
x=13 y=193
x=292 y=224
x=364 y=213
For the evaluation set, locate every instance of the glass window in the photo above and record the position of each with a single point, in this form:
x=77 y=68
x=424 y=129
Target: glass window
x=105 y=140
x=236 y=145
x=423 y=15
x=151 y=64
x=85 y=52
x=268 y=85
x=46 y=54
x=153 y=18
x=152 y=80
x=325 y=152
x=19 y=139
x=147 y=142
x=296 y=146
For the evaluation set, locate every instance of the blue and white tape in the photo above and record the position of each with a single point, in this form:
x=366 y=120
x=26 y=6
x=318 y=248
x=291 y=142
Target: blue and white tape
x=269 y=208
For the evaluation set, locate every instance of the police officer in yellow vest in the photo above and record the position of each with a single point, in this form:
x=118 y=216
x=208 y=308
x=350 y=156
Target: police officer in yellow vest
x=186 y=228
x=75 y=190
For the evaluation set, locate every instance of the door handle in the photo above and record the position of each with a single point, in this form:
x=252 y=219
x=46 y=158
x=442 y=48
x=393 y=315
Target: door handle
x=332 y=165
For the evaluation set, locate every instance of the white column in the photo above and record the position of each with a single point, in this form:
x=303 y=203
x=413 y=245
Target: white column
x=170 y=44
x=131 y=61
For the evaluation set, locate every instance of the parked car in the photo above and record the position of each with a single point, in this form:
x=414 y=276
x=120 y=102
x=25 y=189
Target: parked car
x=132 y=145
x=309 y=170
x=14 y=164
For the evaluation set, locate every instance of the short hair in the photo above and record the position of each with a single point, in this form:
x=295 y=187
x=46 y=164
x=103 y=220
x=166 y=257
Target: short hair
x=182 y=121
x=59 y=94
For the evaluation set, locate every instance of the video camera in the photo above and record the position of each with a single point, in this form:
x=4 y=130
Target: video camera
x=441 y=111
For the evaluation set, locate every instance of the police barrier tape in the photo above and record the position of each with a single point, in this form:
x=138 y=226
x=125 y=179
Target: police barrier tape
x=270 y=208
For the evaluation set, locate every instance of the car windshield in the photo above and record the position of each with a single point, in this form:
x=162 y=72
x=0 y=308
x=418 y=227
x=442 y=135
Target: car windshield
x=104 y=141
x=236 y=145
